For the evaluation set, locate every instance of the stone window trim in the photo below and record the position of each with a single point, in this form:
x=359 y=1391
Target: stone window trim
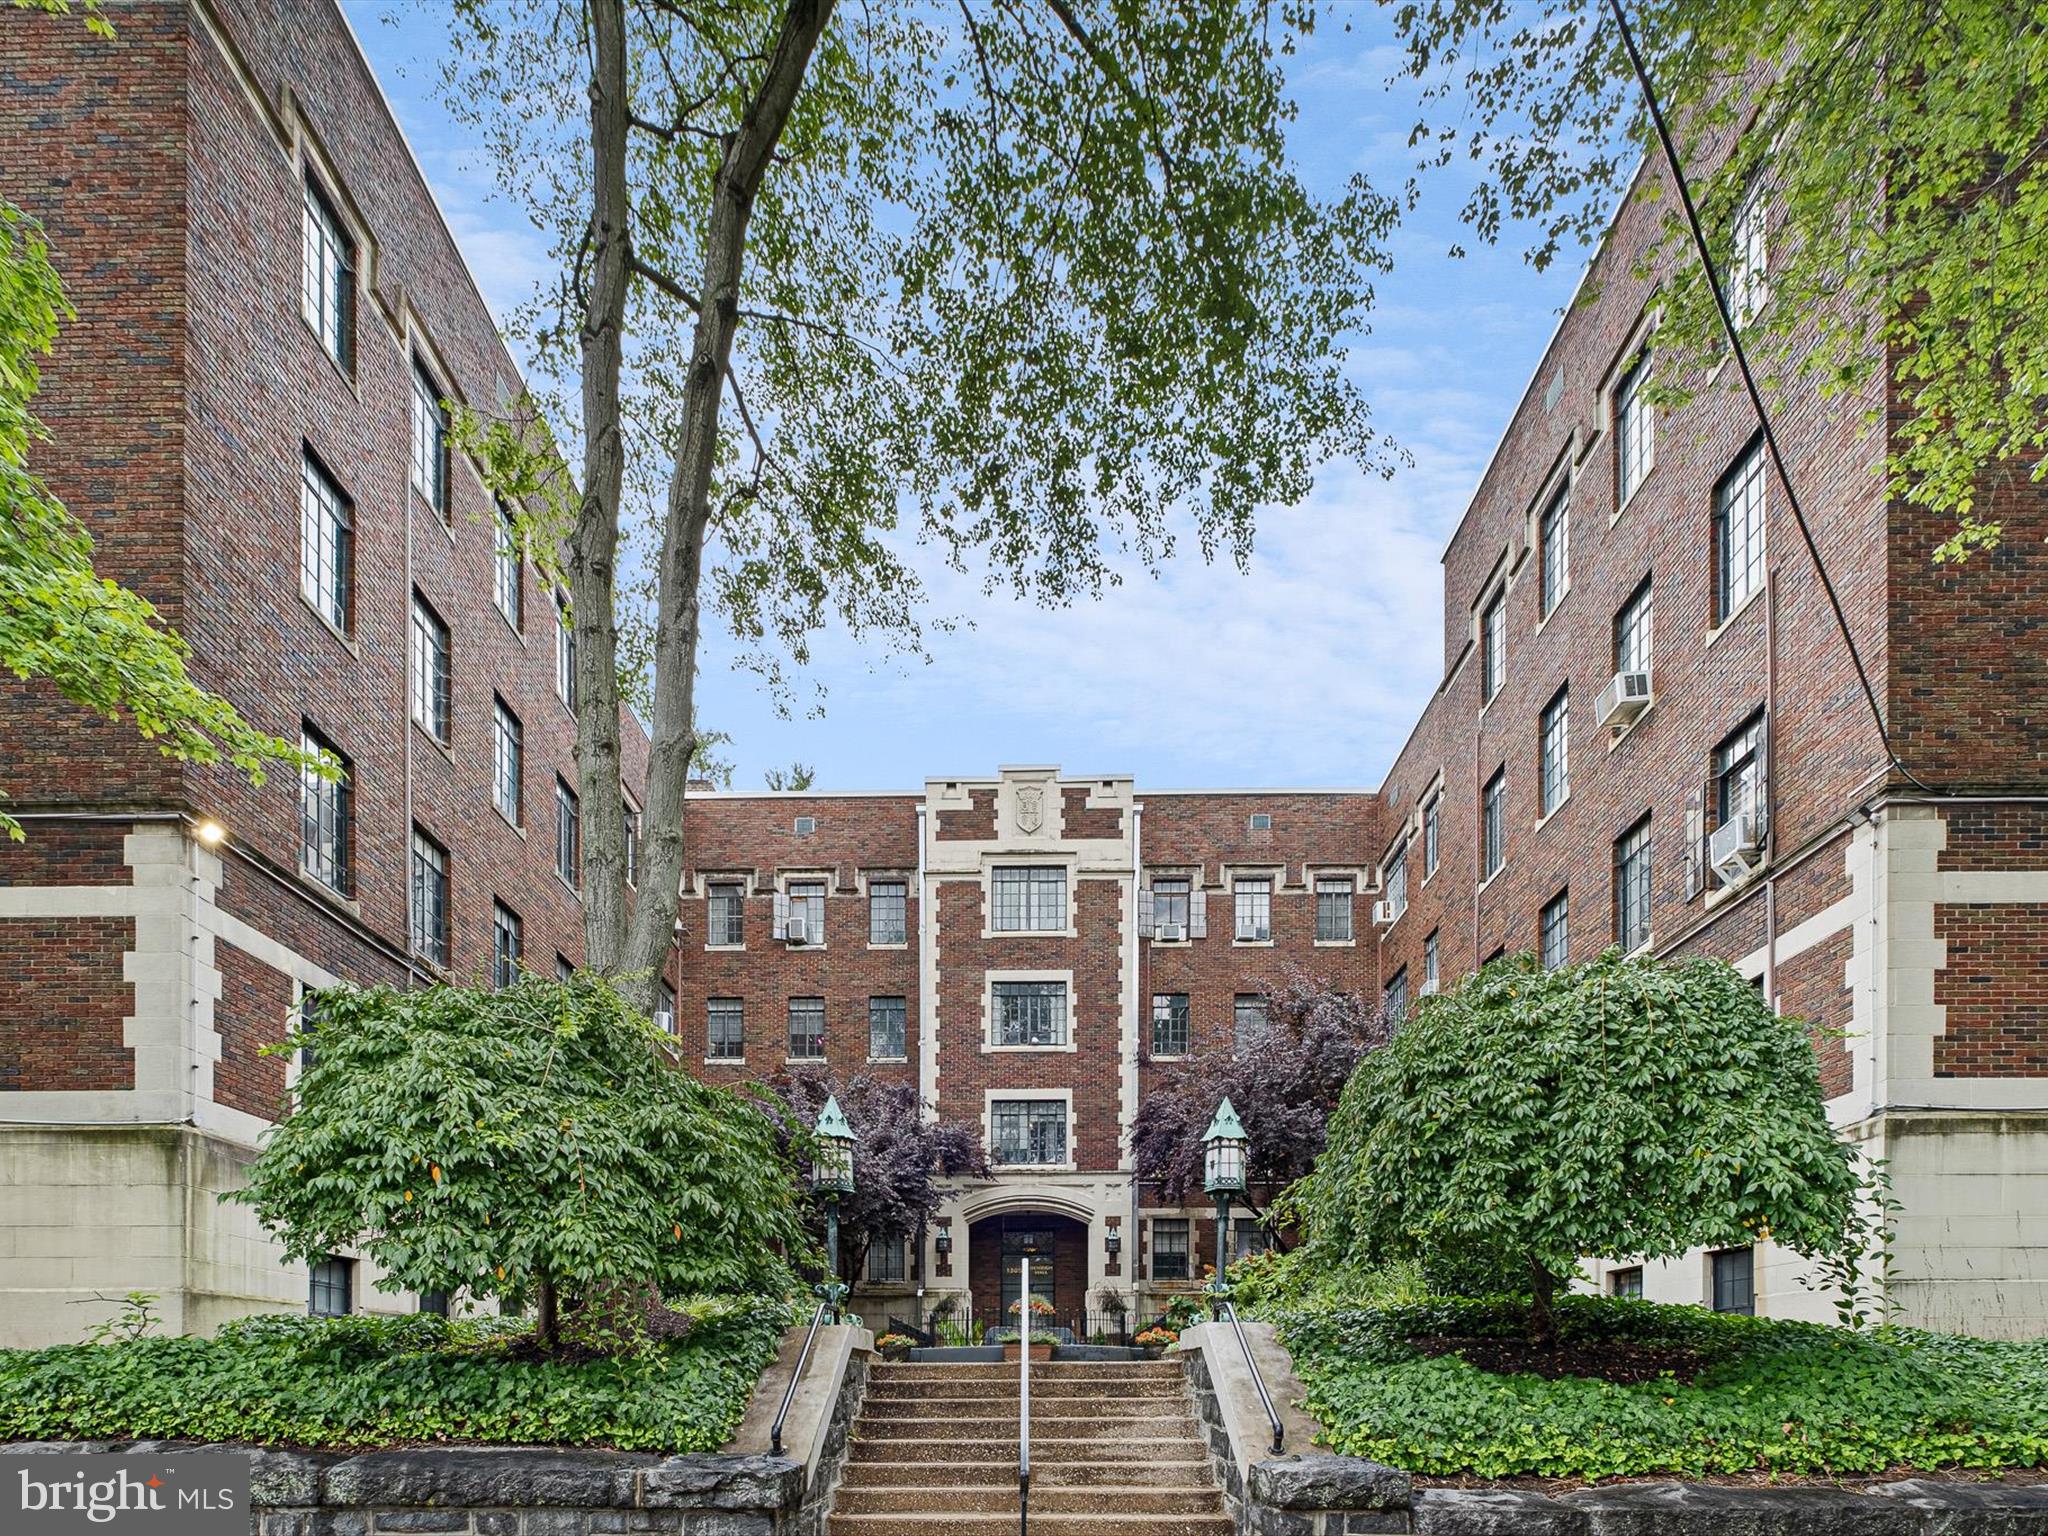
x=709 y=889
x=992 y=1096
x=1624 y=370
x=864 y=880
x=1557 y=492
x=989 y=1047
x=1189 y=877
x=990 y=863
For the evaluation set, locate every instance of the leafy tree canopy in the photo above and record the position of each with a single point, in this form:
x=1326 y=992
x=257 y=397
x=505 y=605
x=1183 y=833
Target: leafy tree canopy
x=1619 y=1107
x=1284 y=1081
x=1897 y=152
x=526 y=1144
x=898 y=1160
x=102 y=645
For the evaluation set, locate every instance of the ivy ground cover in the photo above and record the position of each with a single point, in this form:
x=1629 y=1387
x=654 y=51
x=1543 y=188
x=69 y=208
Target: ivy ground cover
x=358 y=1382
x=1733 y=1394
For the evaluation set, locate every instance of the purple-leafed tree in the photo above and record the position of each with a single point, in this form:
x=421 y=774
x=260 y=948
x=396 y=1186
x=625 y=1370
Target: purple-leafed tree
x=1284 y=1081
x=898 y=1160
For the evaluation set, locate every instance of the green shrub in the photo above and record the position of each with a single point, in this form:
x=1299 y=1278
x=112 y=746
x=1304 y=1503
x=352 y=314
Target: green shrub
x=366 y=1381
x=1772 y=1396
x=1623 y=1107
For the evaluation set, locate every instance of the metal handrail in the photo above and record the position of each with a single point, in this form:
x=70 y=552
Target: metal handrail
x=789 y=1392
x=1259 y=1381
x=1024 y=1401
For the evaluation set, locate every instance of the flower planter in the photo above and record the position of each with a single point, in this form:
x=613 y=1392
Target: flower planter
x=1038 y=1351
x=1154 y=1351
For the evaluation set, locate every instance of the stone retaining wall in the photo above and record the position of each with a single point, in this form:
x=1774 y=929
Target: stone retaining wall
x=501 y=1492
x=1318 y=1494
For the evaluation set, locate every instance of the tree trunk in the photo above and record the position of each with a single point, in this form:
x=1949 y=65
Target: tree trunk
x=548 y=1325
x=679 y=617
x=594 y=542
x=1542 y=1303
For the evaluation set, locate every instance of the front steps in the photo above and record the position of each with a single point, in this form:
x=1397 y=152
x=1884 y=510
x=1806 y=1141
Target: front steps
x=1114 y=1452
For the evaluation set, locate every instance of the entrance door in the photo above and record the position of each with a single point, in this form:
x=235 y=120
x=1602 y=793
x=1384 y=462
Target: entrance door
x=1017 y=1242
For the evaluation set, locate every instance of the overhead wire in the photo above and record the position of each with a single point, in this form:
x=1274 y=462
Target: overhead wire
x=1756 y=399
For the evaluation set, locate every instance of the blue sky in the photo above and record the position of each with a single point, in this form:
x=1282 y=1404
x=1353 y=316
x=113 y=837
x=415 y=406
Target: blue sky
x=1308 y=669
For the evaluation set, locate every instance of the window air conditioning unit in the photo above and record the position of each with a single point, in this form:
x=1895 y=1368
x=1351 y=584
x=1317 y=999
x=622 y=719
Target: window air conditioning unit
x=1383 y=914
x=1735 y=849
x=1427 y=989
x=1627 y=695
x=665 y=1021
x=1172 y=933
x=797 y=929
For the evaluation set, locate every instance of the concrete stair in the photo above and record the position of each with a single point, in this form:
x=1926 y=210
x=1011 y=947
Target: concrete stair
x=1114 y=1452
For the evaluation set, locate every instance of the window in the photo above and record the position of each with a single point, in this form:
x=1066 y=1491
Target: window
x=1396 y=1003
x=1029 y=1131
x=1170 y=901
x=327 y=287
x=565 y=652
x=431 y=685
x=1738 y=771
x=665 y=1009
x=565 y=970
x=887 y=1017
x=725 y=1037
x=1632 y=887
x=1430 y=973
x=1030 y=899
x=429 y=440
x=632 y=843
x=725 y=917
x=888 y=912
x=1739 y=533
x=327 y=818
x=1169 y=1024
x=1735 y=1281
x=1554 y=778
x=1635 y=428
x=1247 y=1017
x=1029 y=1012
x=508 y=945
x=807 y=1029
x=568 y=835
x=1632 y=631
x=1333 y=906
x=1394 y=881
x=434 y=1303
x=1748 y=257
x=1259 y=821
x=508 y=586
x=429 y=898
x=1554 y=937
x=1493 y=647
x=327 y=540
x=331 y=1287
x=1254 y=910
x=888 y=1259
x=1626 y=1282
x=1493 y=823
x=1429 y=835
x=1554 y=534
x=1170 y=1248
x=805 y=826
x=508 y=763
x=807 y=901
x=309 y=1021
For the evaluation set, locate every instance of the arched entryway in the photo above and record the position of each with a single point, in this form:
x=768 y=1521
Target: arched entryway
x=1058 y=1247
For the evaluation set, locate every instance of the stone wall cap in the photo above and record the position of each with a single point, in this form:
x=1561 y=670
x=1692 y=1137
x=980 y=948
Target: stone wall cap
x=724 y=1482
x=488 y=1477
x=1328 y=1482
x=1938 y=1493
x=1626 y=1509
x=1493 y=1512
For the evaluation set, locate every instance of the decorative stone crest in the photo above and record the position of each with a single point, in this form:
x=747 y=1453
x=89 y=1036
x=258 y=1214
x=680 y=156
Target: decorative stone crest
x=1030 y=809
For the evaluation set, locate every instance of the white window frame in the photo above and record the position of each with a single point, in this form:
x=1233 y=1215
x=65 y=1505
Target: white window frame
x=1061 y=1096
x=326 y=545
x=327 y=273
x=991 y=1046
x=508 y=761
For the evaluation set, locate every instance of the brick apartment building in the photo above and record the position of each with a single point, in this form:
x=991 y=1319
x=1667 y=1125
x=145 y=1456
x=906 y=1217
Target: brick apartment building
x=1648 y=732
x=1030 y=950
x=246 y=416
